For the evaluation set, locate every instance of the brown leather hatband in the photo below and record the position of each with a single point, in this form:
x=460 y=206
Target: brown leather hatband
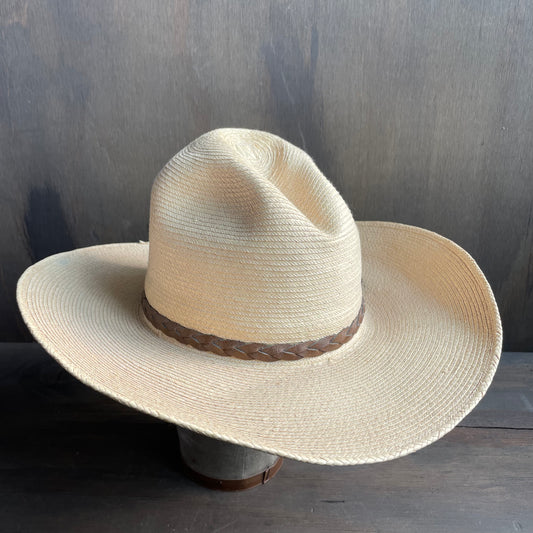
x=233 y=484
x=250 y=350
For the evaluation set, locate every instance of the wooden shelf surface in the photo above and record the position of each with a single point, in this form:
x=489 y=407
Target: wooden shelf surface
x=72 y=459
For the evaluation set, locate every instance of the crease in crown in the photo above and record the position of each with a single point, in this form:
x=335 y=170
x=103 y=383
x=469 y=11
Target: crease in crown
x=249 y=241
x=268 y=164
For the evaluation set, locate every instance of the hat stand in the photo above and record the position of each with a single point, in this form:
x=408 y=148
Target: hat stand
x=222 y=465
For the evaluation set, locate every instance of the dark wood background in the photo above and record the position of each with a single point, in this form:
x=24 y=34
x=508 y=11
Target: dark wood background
x=418 y=111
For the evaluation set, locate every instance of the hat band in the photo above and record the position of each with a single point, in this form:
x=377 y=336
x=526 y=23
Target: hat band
x=250 y=350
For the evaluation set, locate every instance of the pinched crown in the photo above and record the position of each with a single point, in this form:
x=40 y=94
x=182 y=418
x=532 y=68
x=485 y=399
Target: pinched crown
x=249 y=241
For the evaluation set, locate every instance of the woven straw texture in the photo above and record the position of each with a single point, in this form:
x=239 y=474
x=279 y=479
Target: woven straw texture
x=424 y=356
x=249 y=241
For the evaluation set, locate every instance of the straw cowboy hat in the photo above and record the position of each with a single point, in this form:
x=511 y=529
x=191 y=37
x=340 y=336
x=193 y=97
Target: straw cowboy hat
x=261 y=314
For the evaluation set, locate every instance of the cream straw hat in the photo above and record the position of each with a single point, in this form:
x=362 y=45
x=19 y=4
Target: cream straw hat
x=372 y=339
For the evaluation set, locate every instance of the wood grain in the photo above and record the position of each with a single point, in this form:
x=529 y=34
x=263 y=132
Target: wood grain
x=74 y=460
x=419 y=111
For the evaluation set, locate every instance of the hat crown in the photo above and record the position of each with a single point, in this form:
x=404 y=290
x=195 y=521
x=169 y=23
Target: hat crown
x=249 y=241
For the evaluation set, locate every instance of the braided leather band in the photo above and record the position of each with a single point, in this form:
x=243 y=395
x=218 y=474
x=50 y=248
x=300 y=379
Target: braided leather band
x=250 y=350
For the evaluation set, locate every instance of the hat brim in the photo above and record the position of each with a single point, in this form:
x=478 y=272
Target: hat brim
x=424 y=356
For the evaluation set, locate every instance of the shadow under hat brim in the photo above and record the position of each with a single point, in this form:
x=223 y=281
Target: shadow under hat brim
x=423 y=358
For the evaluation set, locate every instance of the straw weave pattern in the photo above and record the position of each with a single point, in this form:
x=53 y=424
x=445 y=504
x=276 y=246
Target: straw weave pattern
x=424 y=356
x=250 y=241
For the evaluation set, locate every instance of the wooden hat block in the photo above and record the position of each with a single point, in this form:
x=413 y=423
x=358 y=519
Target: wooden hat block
x=222 y=465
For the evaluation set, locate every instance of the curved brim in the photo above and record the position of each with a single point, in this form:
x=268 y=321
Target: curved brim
x=424 y=356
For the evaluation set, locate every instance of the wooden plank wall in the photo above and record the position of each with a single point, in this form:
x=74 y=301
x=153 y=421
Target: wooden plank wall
x=418 y=111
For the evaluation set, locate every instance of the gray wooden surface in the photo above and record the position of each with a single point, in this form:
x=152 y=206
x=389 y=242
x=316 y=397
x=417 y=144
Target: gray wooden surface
x=74 y=460
x=419 y=111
